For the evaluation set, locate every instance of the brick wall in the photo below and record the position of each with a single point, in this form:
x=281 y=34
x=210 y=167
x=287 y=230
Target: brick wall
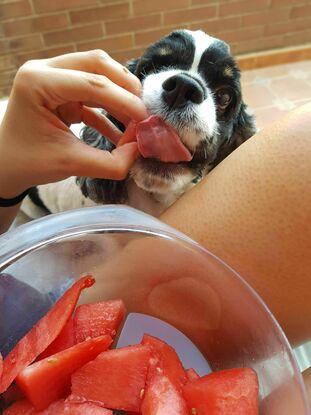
x=42 y=28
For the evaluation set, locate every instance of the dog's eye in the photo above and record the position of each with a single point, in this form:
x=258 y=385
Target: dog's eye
x=223 y=97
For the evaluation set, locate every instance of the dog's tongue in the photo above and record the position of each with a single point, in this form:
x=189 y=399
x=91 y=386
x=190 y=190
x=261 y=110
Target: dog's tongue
x=158 y=140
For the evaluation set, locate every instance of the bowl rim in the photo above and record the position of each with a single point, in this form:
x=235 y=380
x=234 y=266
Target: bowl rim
x=116 y=218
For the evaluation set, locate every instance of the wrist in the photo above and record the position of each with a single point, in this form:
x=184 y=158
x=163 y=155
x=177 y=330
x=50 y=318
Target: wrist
x=11 y=184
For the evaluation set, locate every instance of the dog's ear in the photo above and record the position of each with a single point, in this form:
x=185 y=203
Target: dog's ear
x=101 y=190
x=243 y=128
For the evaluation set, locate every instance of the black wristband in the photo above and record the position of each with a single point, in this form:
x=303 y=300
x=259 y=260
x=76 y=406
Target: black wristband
x=15 y=201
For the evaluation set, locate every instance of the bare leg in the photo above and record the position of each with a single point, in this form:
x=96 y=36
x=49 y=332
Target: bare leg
x=254 y=212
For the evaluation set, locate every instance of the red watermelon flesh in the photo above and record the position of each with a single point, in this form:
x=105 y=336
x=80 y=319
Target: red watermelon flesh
x=192 y=375
x=167 y=360
x=157 y=139
x=161 y=396
x=49 y=379
x=66 y=407
x=63 y=341
x=228 y=392
x=116 y=378
x=23 y=407
x=93 y=320
x=42 y=334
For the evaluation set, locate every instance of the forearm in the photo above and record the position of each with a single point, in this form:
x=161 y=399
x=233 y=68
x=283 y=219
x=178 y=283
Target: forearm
x=253 y=211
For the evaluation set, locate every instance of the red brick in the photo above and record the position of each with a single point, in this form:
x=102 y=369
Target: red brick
x=6 y=62
x=301 y=11
x=218 y=25
x=42 y=54
x=113 y=11
x=35 y=24
x=265 y=17
x=108 y=44
x=197 y=2
x=298 y=38
x=130 y=25
x=189 y=15
x=21 y=43
x=243 y=6
x=45 y=6
x=73 y=35
x=284 y=3
x=150 y=6
x=288 y=27
x=15 y=9
x=242 y=34
x=109 y=1
x=150 y=36
x=124 y=55
x=260 y=44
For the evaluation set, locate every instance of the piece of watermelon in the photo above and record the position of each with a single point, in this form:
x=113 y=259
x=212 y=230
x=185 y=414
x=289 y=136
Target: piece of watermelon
x=228 y=392
x=192 y=375
x=116 y=378
x=42 y=334
x=63 y=341
x=49 y=379
x=161 y=396
x=22 y=407
x=157 y=139
x=168 y=360
x=93 y=320
x=66 y=407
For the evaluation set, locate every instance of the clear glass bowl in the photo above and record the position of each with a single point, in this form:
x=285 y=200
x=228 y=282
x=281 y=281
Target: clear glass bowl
x=161 y=272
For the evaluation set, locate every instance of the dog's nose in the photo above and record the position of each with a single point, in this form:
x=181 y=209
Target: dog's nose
x=182 y=89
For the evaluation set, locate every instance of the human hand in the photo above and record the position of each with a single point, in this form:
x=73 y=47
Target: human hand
x=36 y=144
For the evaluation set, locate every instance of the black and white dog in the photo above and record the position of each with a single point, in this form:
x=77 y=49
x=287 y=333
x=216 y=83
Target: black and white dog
x=192 y=82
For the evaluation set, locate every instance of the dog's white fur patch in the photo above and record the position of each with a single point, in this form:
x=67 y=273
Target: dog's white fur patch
x=63 y=195
x=202 y=41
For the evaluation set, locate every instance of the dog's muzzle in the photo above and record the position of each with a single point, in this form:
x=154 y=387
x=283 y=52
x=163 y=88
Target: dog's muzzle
x=180 y=90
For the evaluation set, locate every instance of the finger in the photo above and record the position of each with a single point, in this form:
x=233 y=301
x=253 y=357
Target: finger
x=118 y=116
x=129 y=135
x=84 y=160
x=105 y=127
x=98 y=62
x=59 y=86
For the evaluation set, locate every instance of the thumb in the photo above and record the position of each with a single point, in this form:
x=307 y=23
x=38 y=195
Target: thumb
x=93 y=162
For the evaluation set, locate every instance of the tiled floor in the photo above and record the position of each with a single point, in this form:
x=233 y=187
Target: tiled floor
x=272 y=92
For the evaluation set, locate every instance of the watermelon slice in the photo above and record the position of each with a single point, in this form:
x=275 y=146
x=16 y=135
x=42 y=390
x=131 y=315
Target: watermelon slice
x=23 y=407
x=161 y=396
x=167 y=360
x=156 y=139
x=116 y=378
x=42 y=334
x=66 y=407
x=192 y=375
x=93 y=320
x=49 y=379
x=228 y=392
x=63 y=341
